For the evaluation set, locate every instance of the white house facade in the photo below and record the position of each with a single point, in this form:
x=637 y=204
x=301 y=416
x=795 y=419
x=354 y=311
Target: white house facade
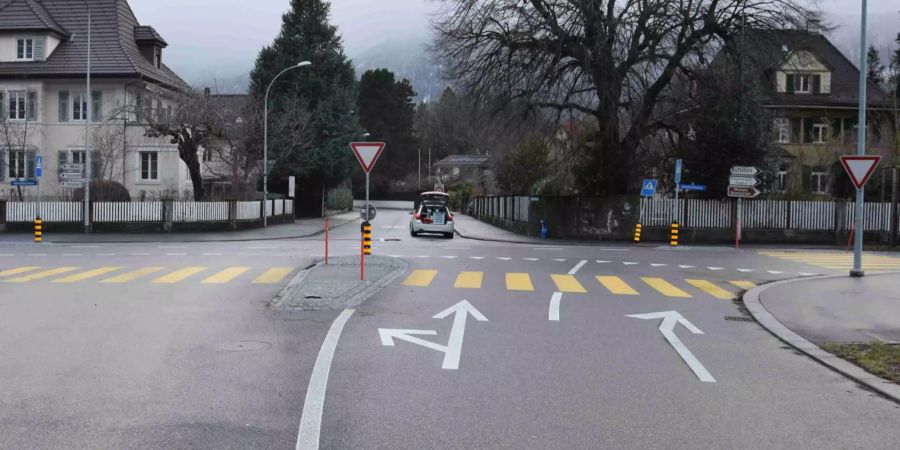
x=44 y=106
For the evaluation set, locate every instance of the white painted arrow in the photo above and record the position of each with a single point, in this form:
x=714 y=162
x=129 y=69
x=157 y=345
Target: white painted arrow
x=667 y=327
x=453 y=348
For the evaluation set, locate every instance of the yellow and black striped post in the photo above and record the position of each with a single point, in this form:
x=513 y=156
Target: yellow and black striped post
x=38 y=229
x=674 y=239
x=637 y=233
x=367 y=238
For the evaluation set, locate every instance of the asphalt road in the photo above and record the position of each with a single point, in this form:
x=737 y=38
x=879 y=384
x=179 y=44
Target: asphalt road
x=108 y=355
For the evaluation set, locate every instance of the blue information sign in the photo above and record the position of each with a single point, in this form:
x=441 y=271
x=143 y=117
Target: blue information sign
x=677 y=171
x=23 y=182
x=38 y=166
x=648 y=188
x=692 y=187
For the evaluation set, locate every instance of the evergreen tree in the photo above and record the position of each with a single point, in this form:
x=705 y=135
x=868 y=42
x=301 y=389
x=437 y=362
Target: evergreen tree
x=387 y=112
x=895 y=68
x=875 y=70
x=328 y=87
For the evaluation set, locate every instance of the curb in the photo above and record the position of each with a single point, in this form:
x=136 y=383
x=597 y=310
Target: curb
x=278 y=238
x=768 y=321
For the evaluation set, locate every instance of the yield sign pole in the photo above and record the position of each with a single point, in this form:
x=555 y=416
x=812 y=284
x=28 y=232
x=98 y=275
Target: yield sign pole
x=367 y=154
x=860 y=146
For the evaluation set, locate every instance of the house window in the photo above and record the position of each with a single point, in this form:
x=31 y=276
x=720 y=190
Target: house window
x=207 y=155
x=149 y=166
x=25 y=49
x=79 y=106
x=18 y=165
x=17 y=105
x=781 y=179
x=71 y=156
x=819 y=182
x=802 y=84
x=820 y=133
x=782 y=130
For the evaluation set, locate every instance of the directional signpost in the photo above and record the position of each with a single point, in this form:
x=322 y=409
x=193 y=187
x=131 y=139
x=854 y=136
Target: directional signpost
x=860 y=169
x=71 y=175
x=742 y=184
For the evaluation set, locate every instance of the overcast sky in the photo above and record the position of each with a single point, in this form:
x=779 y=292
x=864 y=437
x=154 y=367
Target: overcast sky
x=222 y=37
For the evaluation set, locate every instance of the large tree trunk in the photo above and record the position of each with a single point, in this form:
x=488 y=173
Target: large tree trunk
x=196 y=179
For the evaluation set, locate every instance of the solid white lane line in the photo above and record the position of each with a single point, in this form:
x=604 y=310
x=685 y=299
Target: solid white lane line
x=578 y=267
x=554 y=306
x=311 y=418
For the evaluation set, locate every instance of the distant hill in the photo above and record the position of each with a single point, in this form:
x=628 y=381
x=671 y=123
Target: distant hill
x=407 y=58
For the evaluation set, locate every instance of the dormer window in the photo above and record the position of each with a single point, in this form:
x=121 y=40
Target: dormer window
x=25 y=49
x=801 y=84
x=157 y=57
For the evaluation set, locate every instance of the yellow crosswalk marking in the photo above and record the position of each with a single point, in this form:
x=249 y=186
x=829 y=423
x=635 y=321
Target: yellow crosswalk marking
x=273 y=275
x=131 y=276
x=421 y=278
x=17 y=270
x=87 y=275
x=226 y=275
x=744 y=284
x=711 y=289
x=40 y=275
x=568 y=283
x=616 y=285
x=665 y=288
x=469 y=280
x=179 y=275
x=518 y=282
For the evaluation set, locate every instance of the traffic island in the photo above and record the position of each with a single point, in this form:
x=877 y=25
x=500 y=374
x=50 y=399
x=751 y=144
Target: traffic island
x=337 y=285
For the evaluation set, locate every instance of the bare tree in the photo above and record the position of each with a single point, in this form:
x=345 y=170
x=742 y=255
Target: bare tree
x=614 y=60
x=15 y=135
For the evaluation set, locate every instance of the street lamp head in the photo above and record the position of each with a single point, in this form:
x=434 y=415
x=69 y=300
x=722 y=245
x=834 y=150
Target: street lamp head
x=304 y=64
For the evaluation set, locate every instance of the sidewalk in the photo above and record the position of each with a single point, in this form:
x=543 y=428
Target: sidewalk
x=300 y=229
x=472 y=228
x=834 y=312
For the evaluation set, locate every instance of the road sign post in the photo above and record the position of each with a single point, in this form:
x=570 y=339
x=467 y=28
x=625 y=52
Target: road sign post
x=38 y=172
x=742 y=184
x=367 y=154
x=859 y=168
x=678 y=167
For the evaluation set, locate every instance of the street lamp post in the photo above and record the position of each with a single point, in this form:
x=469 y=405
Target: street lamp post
x=861 y=128
x=265 y=167
x=86 y=115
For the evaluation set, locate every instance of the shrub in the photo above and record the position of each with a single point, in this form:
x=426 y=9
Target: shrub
x=339 y=199
x=104 y=191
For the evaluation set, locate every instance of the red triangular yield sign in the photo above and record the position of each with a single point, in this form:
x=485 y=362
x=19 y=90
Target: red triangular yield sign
x=860 y=168
x=367 y=153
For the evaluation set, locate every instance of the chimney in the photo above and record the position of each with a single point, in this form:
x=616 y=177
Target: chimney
x=814 y=26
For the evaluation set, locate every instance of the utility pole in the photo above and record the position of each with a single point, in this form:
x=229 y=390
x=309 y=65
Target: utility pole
x=860 y=147
x=419 y=177
x=86 y=115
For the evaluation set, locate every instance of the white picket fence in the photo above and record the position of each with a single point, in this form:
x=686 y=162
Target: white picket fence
x=764 y=214
x=125 y=212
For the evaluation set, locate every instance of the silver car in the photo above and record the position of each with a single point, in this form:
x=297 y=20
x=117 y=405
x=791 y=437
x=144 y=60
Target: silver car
x=432 y=215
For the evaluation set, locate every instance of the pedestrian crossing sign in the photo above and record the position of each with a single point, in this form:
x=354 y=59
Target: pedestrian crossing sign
x=648 y=188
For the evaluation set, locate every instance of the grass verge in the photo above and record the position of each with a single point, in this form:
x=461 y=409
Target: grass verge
x=876 y=358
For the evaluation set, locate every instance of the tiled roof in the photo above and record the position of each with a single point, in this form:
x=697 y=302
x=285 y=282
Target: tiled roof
x=148 y=33
x=771 y=48
x=114 y=50
x=462 y=160
x=27 y=15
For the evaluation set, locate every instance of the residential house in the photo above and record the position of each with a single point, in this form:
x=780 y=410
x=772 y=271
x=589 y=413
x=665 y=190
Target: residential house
x=461 y=168
x=813 y=94
x=43 y=45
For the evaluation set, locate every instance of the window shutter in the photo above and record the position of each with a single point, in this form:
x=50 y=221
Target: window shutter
x=816 y=84
x=31 y=105
x=807 y=178
x=808 y=129
x=3 y=115
x=97 y=106
x=790 y=83
x=29 y=164
x=2 y=165
x=63 y=106
x=39 y=46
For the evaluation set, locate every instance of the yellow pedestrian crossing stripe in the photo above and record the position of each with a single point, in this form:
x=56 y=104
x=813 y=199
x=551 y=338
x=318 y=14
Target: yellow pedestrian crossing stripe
x=838 y=260
x=179 y=275
x=568 y=283
x=469 y=280
x=87 y=275
x=226 y=275
x=41 y=275
x=17 y=270
x=746 y=285
x=665 y=288
x=711 y=289
x=616 y=285
x=273 y=275
x=420 y=278
x=518 y=282
x=131 y=276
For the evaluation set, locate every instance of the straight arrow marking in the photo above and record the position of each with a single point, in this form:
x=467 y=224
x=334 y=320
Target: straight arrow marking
x=460 y=313
x=669 y=320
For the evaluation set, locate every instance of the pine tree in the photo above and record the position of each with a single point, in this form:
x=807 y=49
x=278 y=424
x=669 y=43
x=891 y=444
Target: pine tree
x=387 y=112
x=328 y=87
x=895 y=68
x=875 y=70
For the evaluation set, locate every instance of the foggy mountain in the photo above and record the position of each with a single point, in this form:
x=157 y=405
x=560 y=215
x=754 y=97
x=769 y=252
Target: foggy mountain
x=407 y=58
